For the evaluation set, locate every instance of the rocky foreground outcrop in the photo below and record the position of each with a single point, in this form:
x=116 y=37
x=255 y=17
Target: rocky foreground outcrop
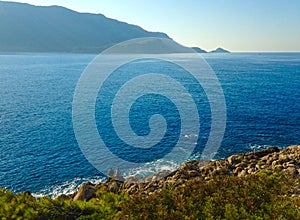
x=286 y=160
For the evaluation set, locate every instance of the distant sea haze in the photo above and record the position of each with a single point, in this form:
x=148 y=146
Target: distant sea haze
x=39 y=151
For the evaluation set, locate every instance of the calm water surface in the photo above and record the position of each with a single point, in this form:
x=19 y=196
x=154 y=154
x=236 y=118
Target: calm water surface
x=39 y=151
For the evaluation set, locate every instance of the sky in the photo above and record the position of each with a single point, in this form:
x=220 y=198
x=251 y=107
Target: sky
x=236 y=25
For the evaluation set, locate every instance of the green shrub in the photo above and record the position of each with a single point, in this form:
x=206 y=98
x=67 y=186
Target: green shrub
x=261 y=196
x=17 y=206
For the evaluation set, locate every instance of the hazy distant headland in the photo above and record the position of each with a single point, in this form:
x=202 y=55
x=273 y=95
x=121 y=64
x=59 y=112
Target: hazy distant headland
x=28 y=28
x=219 y=50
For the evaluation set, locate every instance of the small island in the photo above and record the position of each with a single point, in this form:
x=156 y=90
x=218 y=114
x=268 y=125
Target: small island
x=219 y=50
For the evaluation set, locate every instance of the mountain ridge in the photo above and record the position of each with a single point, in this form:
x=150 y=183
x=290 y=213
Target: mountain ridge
x=29 y=28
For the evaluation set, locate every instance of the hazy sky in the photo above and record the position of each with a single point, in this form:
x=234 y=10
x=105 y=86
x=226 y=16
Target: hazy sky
x=237 y=25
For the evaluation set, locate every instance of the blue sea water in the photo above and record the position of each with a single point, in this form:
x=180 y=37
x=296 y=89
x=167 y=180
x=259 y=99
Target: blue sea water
x=39 y=151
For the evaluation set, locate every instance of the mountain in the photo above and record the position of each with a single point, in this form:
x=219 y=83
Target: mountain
x=28 y=28
x=199 y=50
x=219 y=50
x=149 y=46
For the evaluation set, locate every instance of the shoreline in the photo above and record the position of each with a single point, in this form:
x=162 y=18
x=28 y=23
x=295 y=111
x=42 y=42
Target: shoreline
x=256 y=185
x=275 y=159
x=286 y=160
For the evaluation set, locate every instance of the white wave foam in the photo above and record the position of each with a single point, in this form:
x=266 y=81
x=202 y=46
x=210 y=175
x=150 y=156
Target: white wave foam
x=66 y=188
x=190 y=135
x=145 y=170
x=151 y=168
x=257 y=147
x=70 y=187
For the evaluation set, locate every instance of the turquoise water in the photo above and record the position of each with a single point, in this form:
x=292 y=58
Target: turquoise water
x=39 y=151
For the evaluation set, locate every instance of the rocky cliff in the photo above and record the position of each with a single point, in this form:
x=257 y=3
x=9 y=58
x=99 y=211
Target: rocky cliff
x=273 y=159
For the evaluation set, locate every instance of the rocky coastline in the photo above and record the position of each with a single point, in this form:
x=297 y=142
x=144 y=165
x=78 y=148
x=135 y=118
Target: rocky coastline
x=286 y=160
x=257 y=185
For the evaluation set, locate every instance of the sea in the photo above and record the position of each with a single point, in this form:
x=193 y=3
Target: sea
x=38 y=147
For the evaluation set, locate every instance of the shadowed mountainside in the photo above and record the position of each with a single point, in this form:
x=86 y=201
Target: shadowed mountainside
x=28 y=28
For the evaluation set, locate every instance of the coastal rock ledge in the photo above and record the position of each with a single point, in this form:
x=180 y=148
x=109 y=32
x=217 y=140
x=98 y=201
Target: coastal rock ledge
x=273 y=159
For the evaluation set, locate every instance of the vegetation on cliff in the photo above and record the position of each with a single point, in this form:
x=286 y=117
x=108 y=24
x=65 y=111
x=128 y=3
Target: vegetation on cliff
x=261 y=196
x=265 y=194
